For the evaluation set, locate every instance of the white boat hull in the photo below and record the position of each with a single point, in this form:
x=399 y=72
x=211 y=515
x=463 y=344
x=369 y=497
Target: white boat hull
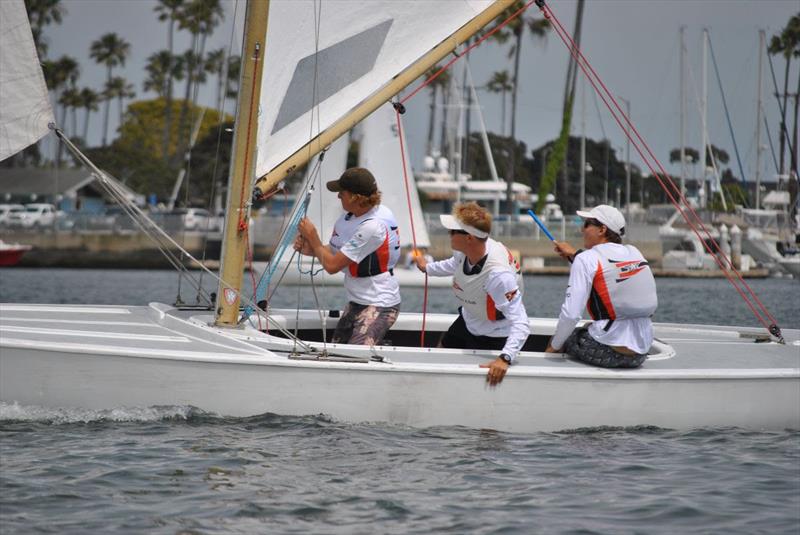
x=162 y=359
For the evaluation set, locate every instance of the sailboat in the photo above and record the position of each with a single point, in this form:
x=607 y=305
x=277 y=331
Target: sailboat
x=378 y=151
x=214 y=359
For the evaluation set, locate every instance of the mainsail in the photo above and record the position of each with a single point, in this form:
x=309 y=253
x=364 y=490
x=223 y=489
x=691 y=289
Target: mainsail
x=26 y=110
x=323 y=59
x=379 y=152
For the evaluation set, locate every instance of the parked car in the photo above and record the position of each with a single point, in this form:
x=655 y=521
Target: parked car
x=35 y=215
x=6 y=209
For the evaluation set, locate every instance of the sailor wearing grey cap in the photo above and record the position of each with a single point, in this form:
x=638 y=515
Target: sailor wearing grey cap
x=488 y=285
x=615 y=284
x=365 y=244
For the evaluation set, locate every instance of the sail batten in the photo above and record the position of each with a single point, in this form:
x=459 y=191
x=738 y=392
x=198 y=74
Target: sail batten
x=391 y=36
x=26 y=111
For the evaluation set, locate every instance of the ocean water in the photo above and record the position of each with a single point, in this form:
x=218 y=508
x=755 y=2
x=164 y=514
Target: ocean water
x=179 y=470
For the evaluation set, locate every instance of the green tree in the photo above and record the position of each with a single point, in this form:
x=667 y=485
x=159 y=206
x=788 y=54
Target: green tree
x=42 y=13
x=215 y=65
x=436 y=86
x=787 y=44
x=112 y=51
x=120 y=89
x=199 y=18
x=514 y=31
x=169 y=11
x=89 y=101
x=500 y=83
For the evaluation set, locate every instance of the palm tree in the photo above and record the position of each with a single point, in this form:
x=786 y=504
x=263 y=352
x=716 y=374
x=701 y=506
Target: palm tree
x=215 y=64
x=110 y=50
x=516 y=28
x=158 y=71
x=70 y=101
x=501 y=83
x=89 y=101
x=199 y=18
x=169 y=10
x=119 y=88
x=232 y=78
x=787 y=44
x=40 y=14
x=436 y=86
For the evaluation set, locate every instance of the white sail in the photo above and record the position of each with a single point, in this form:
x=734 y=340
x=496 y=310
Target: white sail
x=324 y=207
x=380 y=153
x=25 y=112
x=336 y=54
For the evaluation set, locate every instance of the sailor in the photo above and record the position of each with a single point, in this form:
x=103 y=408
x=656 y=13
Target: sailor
x=615 y=284
x=365 y=244
x=488 y=285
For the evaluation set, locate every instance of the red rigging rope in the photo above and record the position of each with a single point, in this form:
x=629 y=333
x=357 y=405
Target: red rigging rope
x=470 y=47
x=399 y=109
x=663 y=178
x=243 y=223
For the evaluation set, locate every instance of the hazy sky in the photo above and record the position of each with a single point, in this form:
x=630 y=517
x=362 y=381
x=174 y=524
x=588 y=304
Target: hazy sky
x=632 y=44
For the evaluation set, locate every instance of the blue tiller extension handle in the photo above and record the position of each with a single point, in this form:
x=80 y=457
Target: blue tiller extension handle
x=541 y=225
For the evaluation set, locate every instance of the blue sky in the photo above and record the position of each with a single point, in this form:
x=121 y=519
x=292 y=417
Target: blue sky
x=632 y=44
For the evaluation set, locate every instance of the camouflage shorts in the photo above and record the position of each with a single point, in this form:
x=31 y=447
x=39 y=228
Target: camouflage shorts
x=581 y=346
x=364 y=324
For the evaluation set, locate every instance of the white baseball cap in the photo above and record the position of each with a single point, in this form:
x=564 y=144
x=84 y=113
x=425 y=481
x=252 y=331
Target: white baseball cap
x=451 y=223
x=607 y=215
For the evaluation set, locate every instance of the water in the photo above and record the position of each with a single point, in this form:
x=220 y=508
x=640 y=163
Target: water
x=179 y=470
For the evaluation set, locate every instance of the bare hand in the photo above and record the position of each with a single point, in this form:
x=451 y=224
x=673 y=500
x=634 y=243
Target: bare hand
x=307 y=230
x=564 y=249
x=302 y=246
x=419 y=259
x=497 y=370
x=551 y=349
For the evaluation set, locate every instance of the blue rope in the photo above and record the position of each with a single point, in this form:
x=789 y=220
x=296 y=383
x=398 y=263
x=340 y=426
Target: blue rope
x=287 y=239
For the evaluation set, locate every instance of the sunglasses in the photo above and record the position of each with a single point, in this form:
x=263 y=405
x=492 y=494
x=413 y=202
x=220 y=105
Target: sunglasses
x=452 y=232
x=592 y=222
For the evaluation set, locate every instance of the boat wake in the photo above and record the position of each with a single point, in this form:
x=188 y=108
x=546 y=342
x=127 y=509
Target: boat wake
x=14 y=412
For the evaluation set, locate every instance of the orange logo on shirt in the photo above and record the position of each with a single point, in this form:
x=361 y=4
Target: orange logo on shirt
x=629 y=268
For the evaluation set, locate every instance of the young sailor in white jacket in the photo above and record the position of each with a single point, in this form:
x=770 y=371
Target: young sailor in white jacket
x=488 y=285
x=614 y=283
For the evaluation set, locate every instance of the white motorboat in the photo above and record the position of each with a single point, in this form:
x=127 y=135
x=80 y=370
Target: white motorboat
x=211 y=358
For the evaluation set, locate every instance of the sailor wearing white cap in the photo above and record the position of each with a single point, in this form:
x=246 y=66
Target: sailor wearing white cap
x=488 y=284
x=615 y=284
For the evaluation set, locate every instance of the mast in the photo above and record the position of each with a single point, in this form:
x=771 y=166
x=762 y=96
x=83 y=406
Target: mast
x=704 y=134
x=582 y=202
x=683 y=110
x=242 y=168
x=393 y=87
x=761 y=39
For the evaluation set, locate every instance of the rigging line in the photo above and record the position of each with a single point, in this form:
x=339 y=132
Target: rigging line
x=784 y=131
x=146 y=224
x=769 y=138
x=221 y=112
x=606 y=93
x=466 y=50
x=399 y=109
x=773 y=329
x=155 y=232
x=725 y=107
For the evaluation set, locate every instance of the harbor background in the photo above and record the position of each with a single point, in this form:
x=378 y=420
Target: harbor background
x=179 y=470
